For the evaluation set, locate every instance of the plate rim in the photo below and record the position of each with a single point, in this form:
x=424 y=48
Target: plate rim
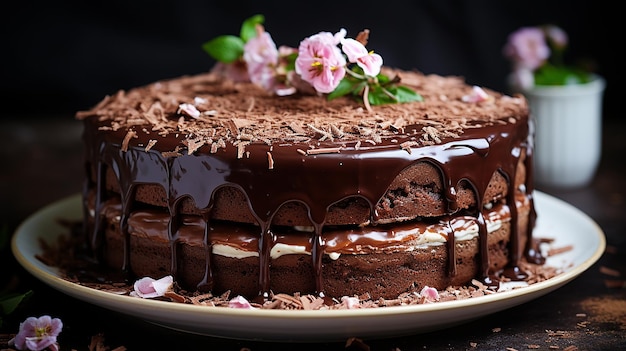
x=48 y=276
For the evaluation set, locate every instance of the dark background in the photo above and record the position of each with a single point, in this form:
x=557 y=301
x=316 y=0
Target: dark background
x=64 y=56
x=60 y=57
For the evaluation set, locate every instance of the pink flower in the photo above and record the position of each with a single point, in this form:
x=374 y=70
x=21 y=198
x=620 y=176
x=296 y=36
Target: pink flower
x=239 y=302
x=527 y=48
x=38 y=334
x=149 y=288
x=357 y=53
x=431 y=294
x=261 y=56
x=320 y=61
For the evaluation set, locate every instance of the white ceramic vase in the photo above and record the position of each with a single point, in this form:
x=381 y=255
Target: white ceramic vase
x=568 y=133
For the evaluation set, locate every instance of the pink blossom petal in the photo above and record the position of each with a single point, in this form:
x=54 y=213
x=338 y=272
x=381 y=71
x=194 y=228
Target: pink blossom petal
x=356 y=52
x=477 y=95
x=149 y=288
x=339 y=36
x=37 y=343
x=282 y=90
x=350 y=302
x=353 y=49
x=431 y=294
x=239 y=302
x=189 y=110
x=371 y=64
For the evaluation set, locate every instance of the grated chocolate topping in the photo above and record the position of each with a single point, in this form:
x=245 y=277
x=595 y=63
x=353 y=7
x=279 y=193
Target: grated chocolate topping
x=205 y=111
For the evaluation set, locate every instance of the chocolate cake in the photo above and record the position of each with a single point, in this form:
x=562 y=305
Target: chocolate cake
x=229 y=187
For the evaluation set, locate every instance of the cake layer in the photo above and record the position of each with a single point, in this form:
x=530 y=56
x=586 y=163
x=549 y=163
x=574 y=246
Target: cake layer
x=416 y=192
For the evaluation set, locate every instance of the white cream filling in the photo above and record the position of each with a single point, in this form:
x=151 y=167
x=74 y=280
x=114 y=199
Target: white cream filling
x=233 y=252
x=431 y=237
x=434 y=238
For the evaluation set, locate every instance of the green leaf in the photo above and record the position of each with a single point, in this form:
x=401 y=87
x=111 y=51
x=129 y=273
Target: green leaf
x=382 y=79
x=380 y=96
x=346 y=86
x=9 y=302
x=560 y=75
x=248 y=27
x=405 y=94
x=291 y=61
x=225 y=48
x=392 y=94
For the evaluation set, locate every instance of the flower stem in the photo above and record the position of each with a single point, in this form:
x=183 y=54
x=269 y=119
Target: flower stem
x=366 y=99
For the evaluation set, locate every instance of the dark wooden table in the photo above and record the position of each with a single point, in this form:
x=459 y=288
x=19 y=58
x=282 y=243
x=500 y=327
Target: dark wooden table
x=42 y=164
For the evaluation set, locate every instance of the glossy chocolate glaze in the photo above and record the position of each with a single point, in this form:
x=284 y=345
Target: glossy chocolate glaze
x=273 y=172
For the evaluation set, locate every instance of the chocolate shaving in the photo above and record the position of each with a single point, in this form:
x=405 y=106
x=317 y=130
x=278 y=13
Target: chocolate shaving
x=151 y=143
x=328 y=150
x=336 y=131
x=609 y=271
x=407 y=145
x=174 y=153
x=297 y=128
x=241 y=148
x=324 y=134
x=130 y=134
x=559 y=250
x=194 y=144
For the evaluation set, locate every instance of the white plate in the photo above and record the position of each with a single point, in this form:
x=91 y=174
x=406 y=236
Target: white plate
x=556 y=219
